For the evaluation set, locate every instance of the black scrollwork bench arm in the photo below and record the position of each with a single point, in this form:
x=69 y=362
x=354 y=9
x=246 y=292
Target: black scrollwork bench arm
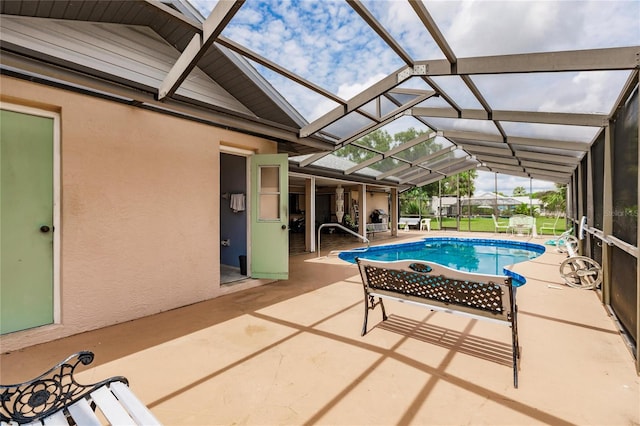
x=56 y=394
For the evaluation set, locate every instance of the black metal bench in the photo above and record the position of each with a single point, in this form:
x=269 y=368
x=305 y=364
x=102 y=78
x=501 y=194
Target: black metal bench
x=56 y=398
x=430 y=285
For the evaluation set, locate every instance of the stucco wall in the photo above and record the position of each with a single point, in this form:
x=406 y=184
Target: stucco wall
x=140 y=206
x=374 y=200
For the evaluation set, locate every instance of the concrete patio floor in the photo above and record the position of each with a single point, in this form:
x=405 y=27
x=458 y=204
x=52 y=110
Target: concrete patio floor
x=290 y=353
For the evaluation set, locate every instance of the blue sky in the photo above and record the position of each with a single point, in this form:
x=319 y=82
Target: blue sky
x=327 y=43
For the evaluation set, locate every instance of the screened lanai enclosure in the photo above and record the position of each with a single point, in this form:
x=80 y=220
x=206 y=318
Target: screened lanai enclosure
x=377 y=96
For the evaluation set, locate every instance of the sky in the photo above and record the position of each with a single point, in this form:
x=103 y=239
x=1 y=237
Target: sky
x=329 y=44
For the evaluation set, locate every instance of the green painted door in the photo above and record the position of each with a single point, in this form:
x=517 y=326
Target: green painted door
x=26 y=221
x=270 y=216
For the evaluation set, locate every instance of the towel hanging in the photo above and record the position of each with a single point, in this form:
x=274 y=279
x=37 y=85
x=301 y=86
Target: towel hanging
x=237 y=203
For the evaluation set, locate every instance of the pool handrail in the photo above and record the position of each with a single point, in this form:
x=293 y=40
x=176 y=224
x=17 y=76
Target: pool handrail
x=362 y=237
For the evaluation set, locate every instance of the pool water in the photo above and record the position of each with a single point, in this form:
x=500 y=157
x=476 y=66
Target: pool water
x=465 y=254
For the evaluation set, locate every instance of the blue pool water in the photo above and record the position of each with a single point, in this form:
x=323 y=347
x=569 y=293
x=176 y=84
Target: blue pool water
x=471 y=255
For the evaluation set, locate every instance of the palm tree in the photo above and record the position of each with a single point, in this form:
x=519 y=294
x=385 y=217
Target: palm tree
x=555 y=201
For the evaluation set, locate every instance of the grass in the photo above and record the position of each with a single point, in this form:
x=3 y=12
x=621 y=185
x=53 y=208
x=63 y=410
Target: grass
x=485 y=224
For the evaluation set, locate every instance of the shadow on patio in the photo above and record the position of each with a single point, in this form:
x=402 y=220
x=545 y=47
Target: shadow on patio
x=291 y=353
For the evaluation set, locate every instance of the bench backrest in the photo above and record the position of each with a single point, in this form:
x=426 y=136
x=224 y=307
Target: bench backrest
x=481 y=295
x=522 y=220
x=409 y=220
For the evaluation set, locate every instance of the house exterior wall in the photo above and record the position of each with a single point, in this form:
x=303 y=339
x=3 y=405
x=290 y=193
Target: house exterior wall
x=140 y=203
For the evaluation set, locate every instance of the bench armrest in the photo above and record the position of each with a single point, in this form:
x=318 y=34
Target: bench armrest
x=47 y=397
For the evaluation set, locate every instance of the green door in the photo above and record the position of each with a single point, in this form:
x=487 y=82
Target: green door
x=26 y=221
x=270 y=216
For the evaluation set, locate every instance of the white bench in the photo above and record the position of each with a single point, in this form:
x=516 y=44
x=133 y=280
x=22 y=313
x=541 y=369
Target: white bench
x=56 y=398
x=436 y=287
x=406 y=222
x=521 y=223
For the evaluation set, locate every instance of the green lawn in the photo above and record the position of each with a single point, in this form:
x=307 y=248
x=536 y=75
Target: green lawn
x=484 y=224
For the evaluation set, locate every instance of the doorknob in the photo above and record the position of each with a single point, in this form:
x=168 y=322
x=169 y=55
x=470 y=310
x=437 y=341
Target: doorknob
x=284 y=226
x=44 y=229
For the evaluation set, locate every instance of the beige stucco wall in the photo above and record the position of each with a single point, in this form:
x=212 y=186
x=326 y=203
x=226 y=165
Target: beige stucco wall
x=139 y=209
x=374 y=200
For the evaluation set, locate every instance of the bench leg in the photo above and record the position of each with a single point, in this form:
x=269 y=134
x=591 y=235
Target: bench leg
x=370 y=304
x=515 y=346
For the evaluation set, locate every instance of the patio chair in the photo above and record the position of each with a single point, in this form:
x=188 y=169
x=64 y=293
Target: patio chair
x=499 y=225
x=425 y=224
x=550 y=225
x=56 y=398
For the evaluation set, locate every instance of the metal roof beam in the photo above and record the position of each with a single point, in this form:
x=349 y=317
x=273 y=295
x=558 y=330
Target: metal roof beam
x=379 y=29
x=548 y=166
x=504 y=166
x=391 y=152
x=416 y=162
x=542 y=176
x=220 y=16
x=552 y=158
x=430 y=25
x=365 y=163
x=395 y=114
x=247 y=53
x=415 y=141
x=548 y=172
x=615 y=58
x=354 y=103
x=313 y=158
x=437 y=177
x=489 y=159
x=507 y=171
x=452 y=163
x=394 y=171
x=487 y=149
x=174 y=14
x=436 y=154
x=462 y=134
x=626 y=91
x=570 y=119
x=515 y=140
x=549 y=143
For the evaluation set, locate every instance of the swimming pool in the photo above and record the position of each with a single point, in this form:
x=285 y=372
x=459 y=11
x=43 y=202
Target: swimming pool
x=483 y=256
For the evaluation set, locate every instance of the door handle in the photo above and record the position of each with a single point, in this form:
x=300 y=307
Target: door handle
x=44 y=229
x=284 y=226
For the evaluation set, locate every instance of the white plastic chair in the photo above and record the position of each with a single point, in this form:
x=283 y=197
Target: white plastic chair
x=499 y=225
x=550 y=226
x=425 y=223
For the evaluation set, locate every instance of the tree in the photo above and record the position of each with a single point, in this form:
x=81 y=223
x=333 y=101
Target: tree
x=467 y=183
x=555 y=201
x=380 y=141
x=519 y=191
